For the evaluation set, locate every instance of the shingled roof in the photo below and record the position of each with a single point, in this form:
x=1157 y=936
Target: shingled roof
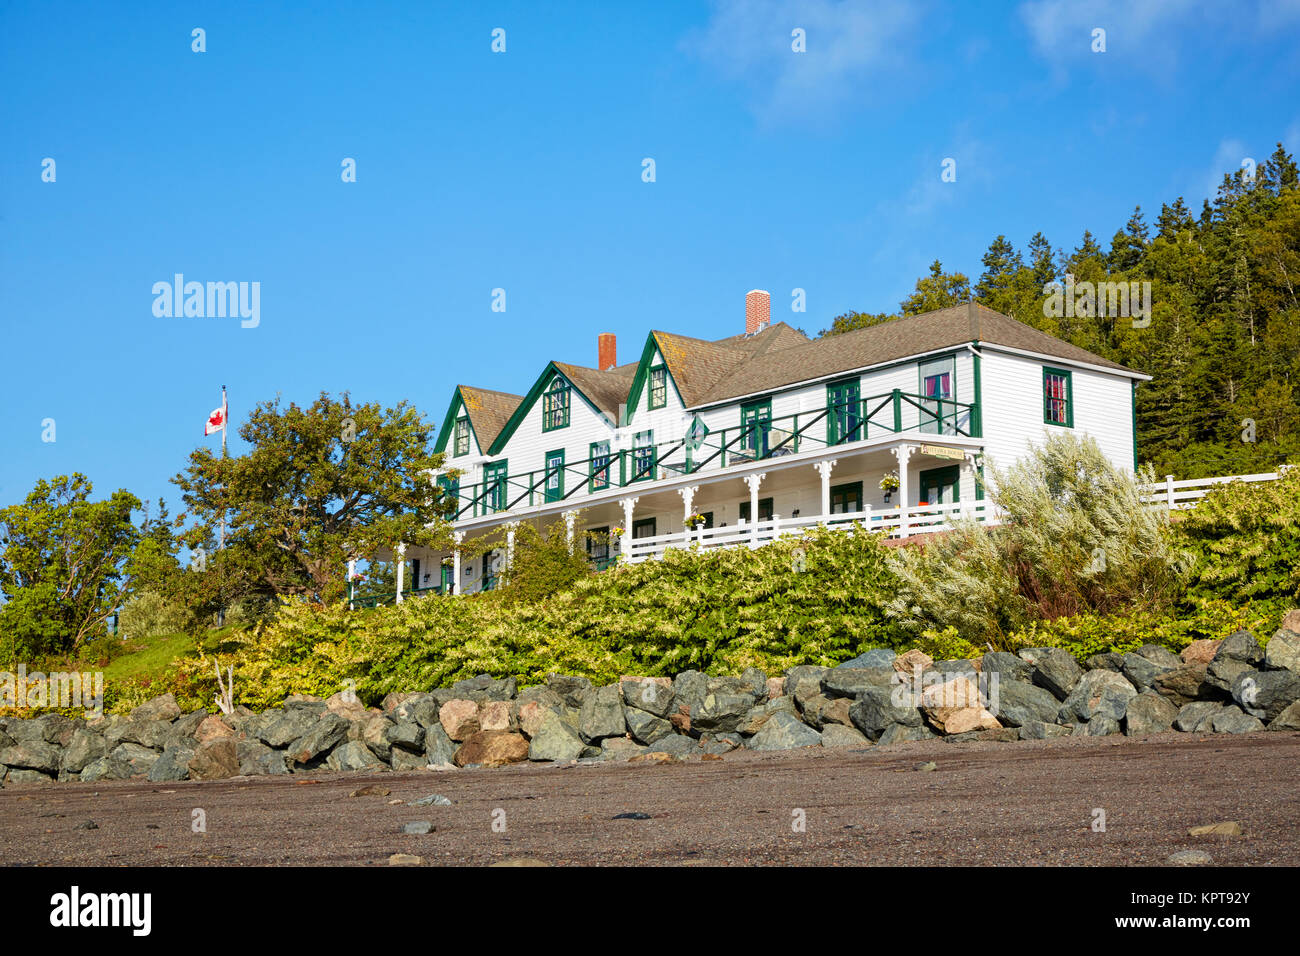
x=607 y=390
x=488 y=411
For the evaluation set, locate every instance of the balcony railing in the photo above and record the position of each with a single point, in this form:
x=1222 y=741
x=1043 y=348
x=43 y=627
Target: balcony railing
x=831 y=427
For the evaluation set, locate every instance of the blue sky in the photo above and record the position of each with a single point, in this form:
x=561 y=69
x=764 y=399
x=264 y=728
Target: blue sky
x=522 y=170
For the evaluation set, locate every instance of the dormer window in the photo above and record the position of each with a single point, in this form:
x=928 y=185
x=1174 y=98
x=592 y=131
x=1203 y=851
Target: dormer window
x=555 y=405
x=658 y=387
x=462 y=437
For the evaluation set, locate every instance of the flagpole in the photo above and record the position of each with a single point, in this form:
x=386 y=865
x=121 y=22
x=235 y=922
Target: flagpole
x=225 y=425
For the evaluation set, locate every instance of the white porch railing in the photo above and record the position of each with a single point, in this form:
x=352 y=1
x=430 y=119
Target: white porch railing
x=897 y=522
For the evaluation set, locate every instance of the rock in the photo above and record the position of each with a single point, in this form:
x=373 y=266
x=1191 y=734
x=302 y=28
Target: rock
x=432 y=800
x=28 y=776
x=836 y=735
x=218 y=758
x=899 y=733
x=875 y=711
x=1240 y=646
x=784 y=731
x=107 y=767
x=1148 y=713
x=407 y=735
x=328 y=731
x=174 y=764
x=955 y=668
x=353 y=755
x=1143 y=671
x=212 y=727
x=347 y=705
x=1105 y=661
x=1196 y=715
x=1289 y=719
x=418 y=828
x=405 y=859
x=187 y=726
x=257 y=759
x=53 y=729
x=1099 y=726
x=756 y=683
x=1223 y=674
x=1158 y=654
x=677 y=746
x=403 y=761
x=911 y=662
x=531 y=715
x=1097 y=693
x=373 y=732
x=1229 y=828
x=459 y=718
x=851 y=681
x=759 y=714
x=681 y=720
x=497 y=715
x=485 y=688
x=715 y=744
x=32 y=755
x=572 y=690
x=1054 y=669
x=821 y=711
x=650 y=696
x=439 y=749
x=308 y=702
x=395 y=699
x=721 y=711
x=284 y=727
x=1283 y=651
x=84 y=747
x=1042 y=730
x=620 y=748
x=928 y=766
x=1200 y=652
x=602 y=715
x=137 y=759
x=803 y=682
x=876 y=657
x=645 y=727
x=1266 y=693
x=492 y=749
x=554 y=740
x=1008 y=667
x=1233 y=721
x=956 y=707
x=775 y=687
x=1190 y=858
x=159 y=708
x=1182 y=685
x=1016 y=704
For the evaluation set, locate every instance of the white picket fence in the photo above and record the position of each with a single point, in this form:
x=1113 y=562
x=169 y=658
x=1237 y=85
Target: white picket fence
x=896 y=522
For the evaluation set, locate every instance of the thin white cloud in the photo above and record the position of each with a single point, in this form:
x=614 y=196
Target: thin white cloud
x=1062 y=30
x=852 y=46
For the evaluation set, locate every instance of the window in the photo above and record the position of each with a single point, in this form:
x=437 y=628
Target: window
x=554 y=481
x=643 y=528
x=643 y=457
x=555 y=405
x=764 y=510
x=462 y=437
x=846 y=498
x=756 y=424
x=494 y=486
x=491 y=564
x=939 y=414
x=598 y=544
x=842 y=412
x=451 y=491
x=599 y=466
x=939 y=486
x=658 y=387
x=1058 y=397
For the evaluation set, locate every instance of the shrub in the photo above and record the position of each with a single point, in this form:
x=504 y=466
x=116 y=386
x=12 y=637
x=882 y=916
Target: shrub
x=149 y=614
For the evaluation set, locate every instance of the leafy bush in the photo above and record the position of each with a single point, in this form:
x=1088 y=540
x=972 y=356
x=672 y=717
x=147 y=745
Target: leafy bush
x=149 y=614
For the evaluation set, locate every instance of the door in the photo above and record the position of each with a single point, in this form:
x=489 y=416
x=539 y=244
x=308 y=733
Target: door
x=843 y=408
x=555 y=475
x=756 y=423
x=846 y=498
x=939 y=486
x=643 y=528
x=494 y=486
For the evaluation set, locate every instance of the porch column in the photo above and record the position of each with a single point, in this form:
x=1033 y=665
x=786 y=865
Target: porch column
x=824 y=469
x=401 y=569
x=904 y=454
x=352 y=570
x=570 y=517
x=458 y=537
x=754 y=481
x=510 y=545
x=970 y=466
x=688 y=497
x=628 y=505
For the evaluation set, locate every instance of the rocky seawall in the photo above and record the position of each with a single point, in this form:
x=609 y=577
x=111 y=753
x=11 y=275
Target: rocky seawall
x=1227 y=686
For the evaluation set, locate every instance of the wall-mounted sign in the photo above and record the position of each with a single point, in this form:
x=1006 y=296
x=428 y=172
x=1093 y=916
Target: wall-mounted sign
x=943 y=451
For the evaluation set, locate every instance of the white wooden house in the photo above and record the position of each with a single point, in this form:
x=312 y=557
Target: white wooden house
x=742 y=439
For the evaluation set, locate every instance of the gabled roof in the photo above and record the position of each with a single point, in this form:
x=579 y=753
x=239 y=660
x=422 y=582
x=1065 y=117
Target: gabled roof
x=604 y=391
x=698 y=365
x=488 y=412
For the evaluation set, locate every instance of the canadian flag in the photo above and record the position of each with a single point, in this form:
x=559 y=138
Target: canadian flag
x=216 y=421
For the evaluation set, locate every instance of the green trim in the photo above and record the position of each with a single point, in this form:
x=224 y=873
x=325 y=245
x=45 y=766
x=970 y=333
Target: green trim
x=547 y=493
x=977 y=414
x=854 y=488
x=1069 y=397
x=979 y=482
x=650 y=523
x=639 y=381
x=641 y=440
x=651 y=405
x=520 y=413
x=591 y=466
x=494 y=471
x=947 y=475
x=935 y=426
x=755 y=414
x=764 y=505
x=832 y=436
x=550 y=397
x=457 y=436
x=449 y=423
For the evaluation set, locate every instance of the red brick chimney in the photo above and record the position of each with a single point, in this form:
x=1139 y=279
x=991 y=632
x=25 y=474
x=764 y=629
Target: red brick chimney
x=758 y=311
x=606 y=351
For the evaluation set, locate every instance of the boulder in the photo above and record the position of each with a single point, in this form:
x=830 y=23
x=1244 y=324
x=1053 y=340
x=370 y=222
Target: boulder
x=492 y=749
x=1289 y=719
x=1099 y=726
x=355 y=755
x=621 y=748
x=402 y=761
x=821 y=711
x=1200 y=652
x=459 y=718
x=1103 y=693
x=1105 y=661
x=31 y=755
x=1054 y=669
x=876 y=657
x=1240 y=646
x=1266 y=693
x=956 y=668
x=837 y=735
x=373 y=732
x=1222 y=674
x=212 y=727
x=572 y=690
x=531 y=715
x=1042 y=730
x=174 y=764
x=1283 y=651
x=1148 y=713
x=218 y=758
x=678 y=745
x=912 y=661
x=719 y=743
x=754 y=681
x=760 y=714
x=649 y=695
x=554 y=740
x=256 y=758
x=159 y=708
x=1008 y=667
x=329 y=730
x=1230 y=720
x=1195 y=716
x=284 y=727
x=645 y=727
x=899 y=733
x=784 y=731
x=721 y=712
x=439 y=749
x=803 y=682
x=851 y=681
x=347 y=705
x=406 y=735
x=601 y=715
x=875 y=711
x=28 y=776
x=84 y=747
x=1016 y=704
x=485 y=688
x=775 y=687
x=137 y=759
x=147 y=733
x=1183 y=685
x=1142 y=671
x=956 y=707
x=187 y=726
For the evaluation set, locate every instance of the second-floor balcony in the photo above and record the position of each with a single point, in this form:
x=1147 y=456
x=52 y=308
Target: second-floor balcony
x=700 y=450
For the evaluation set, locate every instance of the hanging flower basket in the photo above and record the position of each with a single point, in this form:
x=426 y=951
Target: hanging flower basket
x=889 y=483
